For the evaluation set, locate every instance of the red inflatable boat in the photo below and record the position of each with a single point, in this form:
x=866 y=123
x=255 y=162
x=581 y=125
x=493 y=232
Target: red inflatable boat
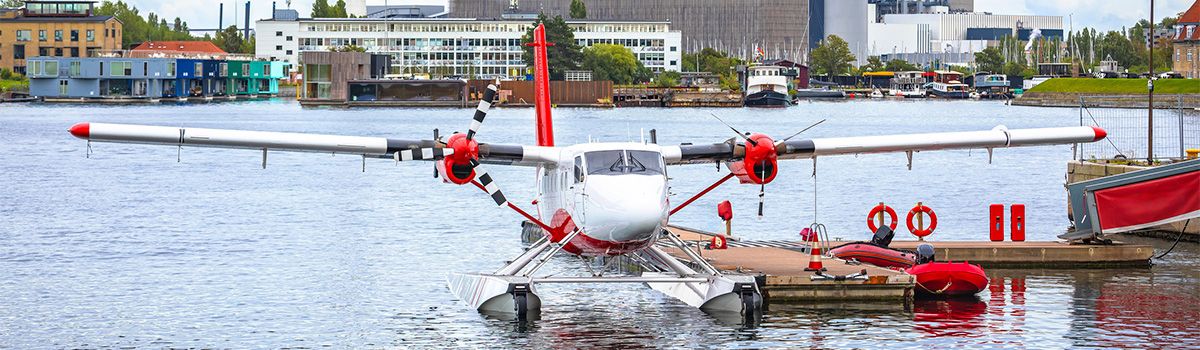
x=948 y=279
x=874 y=255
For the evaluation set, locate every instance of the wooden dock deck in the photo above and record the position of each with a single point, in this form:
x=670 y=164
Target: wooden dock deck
x=786 y=280
x=1037 y=254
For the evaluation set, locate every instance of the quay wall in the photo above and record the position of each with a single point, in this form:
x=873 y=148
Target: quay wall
x=1071 y=99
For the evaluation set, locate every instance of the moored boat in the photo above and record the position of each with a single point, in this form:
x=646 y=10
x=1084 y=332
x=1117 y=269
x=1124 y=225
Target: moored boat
x=767 y=86
x=908 y=84
x=945 y=279
x=952 y=89
x=876 y=252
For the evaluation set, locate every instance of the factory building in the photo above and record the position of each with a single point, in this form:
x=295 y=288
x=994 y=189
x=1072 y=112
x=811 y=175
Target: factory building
x=778 y=27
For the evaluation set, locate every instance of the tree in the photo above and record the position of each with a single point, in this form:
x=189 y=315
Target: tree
x=832 y=57
x=578 y=9
x=989 y=60
x=12 y=4
x=565 y=55
x=1013 y=68
x=667 y=79
x=339 y=10
x=710 y=60
x=873 y=65
x=229 y=39
x=348 y=48
x=136 y=29
x=247 y=46
x=320 y=9
x=899 y=65
x=612 y=62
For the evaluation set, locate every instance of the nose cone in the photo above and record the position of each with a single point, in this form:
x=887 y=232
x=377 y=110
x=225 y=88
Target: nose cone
x=625 y=208
x=1100 y=133
x=81 y=130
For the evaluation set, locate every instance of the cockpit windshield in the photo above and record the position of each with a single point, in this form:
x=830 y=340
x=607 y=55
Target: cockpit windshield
x=618 y=162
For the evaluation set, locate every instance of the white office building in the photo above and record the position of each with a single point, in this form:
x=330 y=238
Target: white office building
x=482 y=49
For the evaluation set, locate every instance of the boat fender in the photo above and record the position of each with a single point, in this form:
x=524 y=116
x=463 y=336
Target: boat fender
x=875 y=212
x=925 y=253
x=932 y=220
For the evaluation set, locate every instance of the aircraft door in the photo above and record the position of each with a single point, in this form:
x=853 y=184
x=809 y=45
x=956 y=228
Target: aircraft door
x=577 y=186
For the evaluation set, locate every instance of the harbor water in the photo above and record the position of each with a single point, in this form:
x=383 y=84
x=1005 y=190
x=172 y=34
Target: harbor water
x=150 y=246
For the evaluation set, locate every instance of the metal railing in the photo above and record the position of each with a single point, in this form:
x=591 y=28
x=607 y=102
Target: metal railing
x=1127 y=122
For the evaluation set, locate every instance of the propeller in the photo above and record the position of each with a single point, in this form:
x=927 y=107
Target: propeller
x=739 y=133
x=485 y=179
x=799 y=132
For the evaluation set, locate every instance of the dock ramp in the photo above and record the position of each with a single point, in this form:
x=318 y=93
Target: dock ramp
x=1134 y=201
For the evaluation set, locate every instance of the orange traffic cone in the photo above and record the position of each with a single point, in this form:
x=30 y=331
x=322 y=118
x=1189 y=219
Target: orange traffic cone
x=814 y=262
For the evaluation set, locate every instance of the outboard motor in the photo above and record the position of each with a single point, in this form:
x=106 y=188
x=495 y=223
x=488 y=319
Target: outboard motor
x=883 y=237
x=925 y=253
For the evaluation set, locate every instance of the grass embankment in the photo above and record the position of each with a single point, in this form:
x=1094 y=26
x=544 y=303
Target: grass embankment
x=1118 y=86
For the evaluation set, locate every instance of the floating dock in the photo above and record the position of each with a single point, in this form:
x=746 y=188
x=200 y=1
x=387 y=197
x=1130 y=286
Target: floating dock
x=1038 y=254
x=785 y=280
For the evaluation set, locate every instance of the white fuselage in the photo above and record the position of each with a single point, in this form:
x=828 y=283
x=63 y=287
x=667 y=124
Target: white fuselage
x=615 y=193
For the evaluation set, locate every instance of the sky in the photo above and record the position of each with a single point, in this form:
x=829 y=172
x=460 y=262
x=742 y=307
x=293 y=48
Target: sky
x=1100 y=14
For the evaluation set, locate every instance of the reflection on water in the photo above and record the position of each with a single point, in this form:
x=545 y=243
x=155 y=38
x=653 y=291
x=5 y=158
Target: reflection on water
x=131 y=249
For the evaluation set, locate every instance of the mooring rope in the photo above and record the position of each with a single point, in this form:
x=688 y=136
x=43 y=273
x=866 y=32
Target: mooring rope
x=1181 y=232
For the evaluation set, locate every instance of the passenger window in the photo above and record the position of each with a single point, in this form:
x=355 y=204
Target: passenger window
x=578 y=169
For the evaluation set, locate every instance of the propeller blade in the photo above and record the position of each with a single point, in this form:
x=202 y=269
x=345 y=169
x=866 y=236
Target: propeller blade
x=422 y=154
x=481 y=112
x=801 y=131
x=739 y=133
x=489 y=185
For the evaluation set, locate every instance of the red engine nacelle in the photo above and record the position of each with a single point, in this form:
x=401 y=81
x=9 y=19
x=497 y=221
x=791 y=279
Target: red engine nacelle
x=456 y=168
x=759 y=165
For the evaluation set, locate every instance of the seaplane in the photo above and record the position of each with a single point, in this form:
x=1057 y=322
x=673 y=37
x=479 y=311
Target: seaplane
x=592 y=199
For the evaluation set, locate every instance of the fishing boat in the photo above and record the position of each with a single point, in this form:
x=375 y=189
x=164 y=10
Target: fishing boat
x=908 y=84
x=945 y=279
x=953 y=90
x=767 y=86
x=876 y=252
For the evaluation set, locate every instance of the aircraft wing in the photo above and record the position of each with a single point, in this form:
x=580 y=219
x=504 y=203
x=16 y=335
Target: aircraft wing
x=999 y=137
x=370 y=147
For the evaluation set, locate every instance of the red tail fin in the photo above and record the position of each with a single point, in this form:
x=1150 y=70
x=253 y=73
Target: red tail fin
x=541 y=84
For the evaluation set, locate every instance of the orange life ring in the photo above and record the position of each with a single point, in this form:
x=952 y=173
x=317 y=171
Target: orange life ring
x=932 y=220
x=875 y=211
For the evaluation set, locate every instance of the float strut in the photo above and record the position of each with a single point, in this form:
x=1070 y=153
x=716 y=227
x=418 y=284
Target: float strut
x=702 y=193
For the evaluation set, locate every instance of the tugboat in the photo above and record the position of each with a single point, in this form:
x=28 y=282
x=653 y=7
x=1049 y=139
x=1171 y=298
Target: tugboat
x=767 y=86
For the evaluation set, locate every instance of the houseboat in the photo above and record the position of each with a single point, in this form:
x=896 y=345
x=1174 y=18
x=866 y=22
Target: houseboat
x=993 y=86
x=767 y=86
x=908 y=84
x=951 y=90
x=149 y=79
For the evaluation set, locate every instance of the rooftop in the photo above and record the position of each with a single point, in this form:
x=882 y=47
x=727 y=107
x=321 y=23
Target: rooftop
x=1192 y=15
x=180 y=47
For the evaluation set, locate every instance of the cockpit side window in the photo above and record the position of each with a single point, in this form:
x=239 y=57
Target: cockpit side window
x=578 y=169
